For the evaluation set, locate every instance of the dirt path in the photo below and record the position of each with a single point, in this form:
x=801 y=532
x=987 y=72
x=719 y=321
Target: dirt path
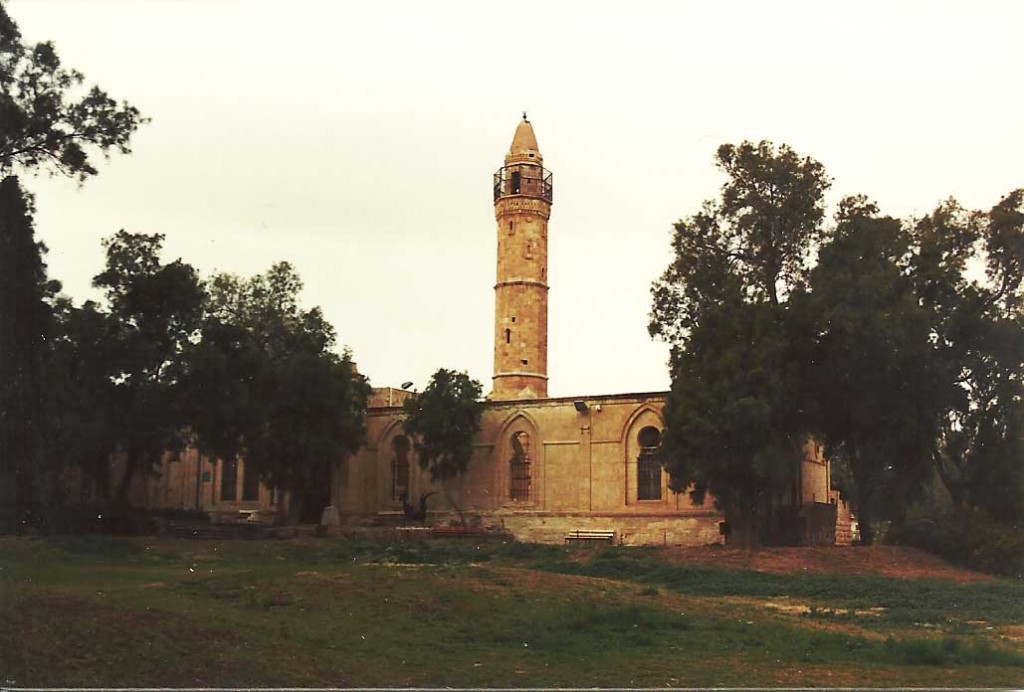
x=881 y=560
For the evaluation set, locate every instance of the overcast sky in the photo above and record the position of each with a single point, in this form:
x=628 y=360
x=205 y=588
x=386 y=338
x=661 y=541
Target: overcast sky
x=357 y=141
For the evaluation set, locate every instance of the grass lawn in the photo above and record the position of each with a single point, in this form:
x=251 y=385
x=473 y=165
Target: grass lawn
x=97 y=611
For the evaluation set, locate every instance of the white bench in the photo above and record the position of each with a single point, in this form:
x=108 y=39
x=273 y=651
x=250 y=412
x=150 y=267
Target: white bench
x=587 y=535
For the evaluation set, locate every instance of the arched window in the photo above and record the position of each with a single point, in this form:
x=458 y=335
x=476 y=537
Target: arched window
x=400 y=447
x=648 y=468
x=519 y=466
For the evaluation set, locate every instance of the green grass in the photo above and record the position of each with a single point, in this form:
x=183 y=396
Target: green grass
x=346 y=612
x=905 y=601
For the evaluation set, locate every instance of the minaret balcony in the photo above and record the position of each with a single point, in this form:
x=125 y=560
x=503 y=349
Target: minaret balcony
x=530 y=181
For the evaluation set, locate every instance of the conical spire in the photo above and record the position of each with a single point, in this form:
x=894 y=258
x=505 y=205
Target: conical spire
x=524 y=144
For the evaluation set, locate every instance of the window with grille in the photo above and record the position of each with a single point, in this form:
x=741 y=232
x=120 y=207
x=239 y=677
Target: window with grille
x=519 y=466
x=648 y=468
x=400 y=447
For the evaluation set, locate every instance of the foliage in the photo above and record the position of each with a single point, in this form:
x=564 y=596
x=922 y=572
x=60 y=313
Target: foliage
x=443 y=422
x=731 y=423
x=265 y=384
x=751 y=245
x=875 y=390
x=45 y=121
x=83 y=393
x=26 y=327
x=967 y=537
x=978 y=327
x=721 y=304
x=887 y=347
x=154 y=310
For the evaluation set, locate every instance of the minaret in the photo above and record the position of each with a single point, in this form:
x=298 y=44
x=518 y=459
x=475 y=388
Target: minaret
x=522 y=206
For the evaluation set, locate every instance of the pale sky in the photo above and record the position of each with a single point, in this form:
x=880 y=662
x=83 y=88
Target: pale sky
x=357 y=141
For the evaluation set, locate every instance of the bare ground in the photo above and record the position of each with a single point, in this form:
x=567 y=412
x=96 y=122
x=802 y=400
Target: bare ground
x=879 y=560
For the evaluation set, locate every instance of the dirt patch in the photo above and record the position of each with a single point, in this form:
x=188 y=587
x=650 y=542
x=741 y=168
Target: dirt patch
x=882 y=560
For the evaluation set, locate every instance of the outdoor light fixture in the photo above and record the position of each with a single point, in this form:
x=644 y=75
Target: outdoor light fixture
x=580 y=406
x=406 y=385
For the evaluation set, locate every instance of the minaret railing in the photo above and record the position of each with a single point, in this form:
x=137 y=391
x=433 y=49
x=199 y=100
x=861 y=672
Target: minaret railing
x=531 y=181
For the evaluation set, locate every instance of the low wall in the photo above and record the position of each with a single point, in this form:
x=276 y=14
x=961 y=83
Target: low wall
x=696 y=529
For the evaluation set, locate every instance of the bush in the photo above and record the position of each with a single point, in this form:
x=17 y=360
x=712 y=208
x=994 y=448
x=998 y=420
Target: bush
x=969 y=538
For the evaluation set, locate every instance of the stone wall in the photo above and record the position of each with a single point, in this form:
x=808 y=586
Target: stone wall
x=583 y=467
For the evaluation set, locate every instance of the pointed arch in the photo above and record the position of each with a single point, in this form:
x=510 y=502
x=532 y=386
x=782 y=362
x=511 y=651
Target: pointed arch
x=519 y=448
x=645 y=408
x=640 y=468
x=517 y=417
x=396 y=463
x=388 y=430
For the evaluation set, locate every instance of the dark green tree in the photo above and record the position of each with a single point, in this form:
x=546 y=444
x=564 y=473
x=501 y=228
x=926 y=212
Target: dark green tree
x=732 y=423
x=978 y=329
x=82 y=394
x=443 y=422
x=874 y=389
x=154 y=310
x=46 y=121
x=264 y=384
x=722 y=304
x=26 y=329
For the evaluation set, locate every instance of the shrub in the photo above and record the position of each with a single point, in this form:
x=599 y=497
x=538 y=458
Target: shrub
x=969 y=538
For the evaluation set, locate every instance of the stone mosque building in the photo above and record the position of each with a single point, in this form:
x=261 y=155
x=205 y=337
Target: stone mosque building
x=543 y=468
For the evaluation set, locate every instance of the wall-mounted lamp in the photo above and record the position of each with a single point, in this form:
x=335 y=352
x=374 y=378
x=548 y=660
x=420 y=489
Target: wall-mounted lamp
x=580 y=406
x=406 y=385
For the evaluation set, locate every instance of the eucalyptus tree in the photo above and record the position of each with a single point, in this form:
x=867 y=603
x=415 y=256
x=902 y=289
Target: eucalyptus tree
x=732 y=417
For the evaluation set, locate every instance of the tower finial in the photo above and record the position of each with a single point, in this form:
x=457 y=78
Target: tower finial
x=524 y=117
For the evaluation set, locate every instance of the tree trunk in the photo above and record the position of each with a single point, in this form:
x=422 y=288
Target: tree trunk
x=899 y=505
x=130 y=465
x=451 y=502
x=864 y=519
x=743 y=530
x=296 y=499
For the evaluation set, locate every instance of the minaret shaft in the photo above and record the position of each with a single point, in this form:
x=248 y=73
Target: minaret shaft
x=522 y=208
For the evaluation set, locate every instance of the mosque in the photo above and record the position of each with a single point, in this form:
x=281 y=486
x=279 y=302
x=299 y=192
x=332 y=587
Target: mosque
x=547 y=468
x=543 y=469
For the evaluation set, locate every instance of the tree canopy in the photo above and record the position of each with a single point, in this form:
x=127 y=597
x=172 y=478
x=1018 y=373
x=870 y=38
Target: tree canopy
x=873 y=334
x=47 y=122
x=264 y=384
x=731 y=427
x=443 y=421
x=154 y=309
x=26 y=326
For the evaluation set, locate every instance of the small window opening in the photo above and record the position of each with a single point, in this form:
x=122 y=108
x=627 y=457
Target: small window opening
x=515 y=183
x=511 y=227
x=508 y=336
x=513 y=320
x=531 y=156
x=524 y=361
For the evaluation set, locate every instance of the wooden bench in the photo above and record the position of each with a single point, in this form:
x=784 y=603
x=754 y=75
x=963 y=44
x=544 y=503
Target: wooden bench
x=587 y=536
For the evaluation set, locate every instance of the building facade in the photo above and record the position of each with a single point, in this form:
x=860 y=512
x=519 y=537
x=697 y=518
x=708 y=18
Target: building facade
x=544 y=467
